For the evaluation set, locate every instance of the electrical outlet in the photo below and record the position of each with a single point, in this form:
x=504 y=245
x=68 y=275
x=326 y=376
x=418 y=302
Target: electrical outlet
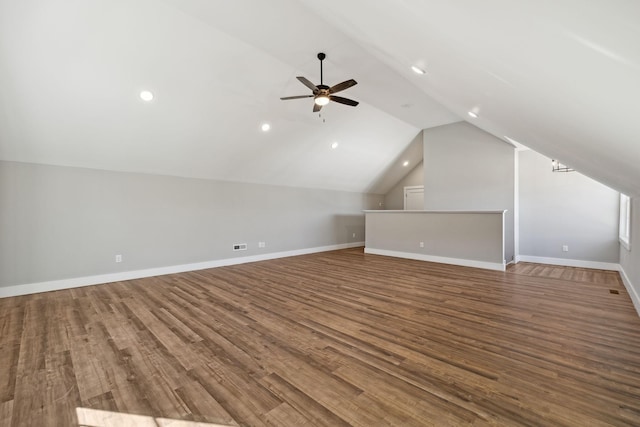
x=565 y=248
x=240 y=247
x=422 y=244
x=118 y=258
x=353 y=235
x=262 y=244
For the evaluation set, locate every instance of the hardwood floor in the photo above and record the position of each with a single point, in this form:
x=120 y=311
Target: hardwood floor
x=331 y=339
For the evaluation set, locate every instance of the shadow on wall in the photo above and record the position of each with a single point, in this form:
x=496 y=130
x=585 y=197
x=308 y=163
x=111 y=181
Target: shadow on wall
x=349 y=228
x=395 y=172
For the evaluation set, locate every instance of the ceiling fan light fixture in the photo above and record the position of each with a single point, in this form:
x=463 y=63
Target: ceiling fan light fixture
x=322 y=100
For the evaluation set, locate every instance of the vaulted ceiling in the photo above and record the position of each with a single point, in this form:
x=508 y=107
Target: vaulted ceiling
x=562 y=77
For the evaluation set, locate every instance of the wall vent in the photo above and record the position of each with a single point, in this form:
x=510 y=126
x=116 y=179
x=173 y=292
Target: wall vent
x=240 y=247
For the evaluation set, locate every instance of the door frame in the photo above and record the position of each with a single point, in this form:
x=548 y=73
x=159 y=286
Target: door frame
x=407 y=190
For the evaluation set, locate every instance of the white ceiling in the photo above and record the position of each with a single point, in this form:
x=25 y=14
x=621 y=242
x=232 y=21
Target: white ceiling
x=562 y=77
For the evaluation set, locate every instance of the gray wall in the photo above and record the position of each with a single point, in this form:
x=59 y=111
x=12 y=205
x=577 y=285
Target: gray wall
x=394 y=199
x=469 y=169
x=59 y=223
x=630 y=259
x=571 y=209
x=475 y=236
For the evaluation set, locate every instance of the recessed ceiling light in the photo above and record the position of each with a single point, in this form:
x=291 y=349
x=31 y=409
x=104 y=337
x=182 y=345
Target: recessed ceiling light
x=473 y=114
x=265 y=127
x=406 y=163
x=334 y=145
x=418 y=70
x=145 y=95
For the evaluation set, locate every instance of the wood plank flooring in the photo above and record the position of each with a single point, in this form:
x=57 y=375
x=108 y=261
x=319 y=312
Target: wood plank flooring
x=331 y=339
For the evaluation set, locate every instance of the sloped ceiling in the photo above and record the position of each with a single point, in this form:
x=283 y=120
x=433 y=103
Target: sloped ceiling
x=559 y=77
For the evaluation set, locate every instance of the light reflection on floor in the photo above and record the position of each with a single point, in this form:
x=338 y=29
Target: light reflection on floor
x=88 y=417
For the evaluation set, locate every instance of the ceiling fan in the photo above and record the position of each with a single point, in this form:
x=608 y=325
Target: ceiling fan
x=322 y=93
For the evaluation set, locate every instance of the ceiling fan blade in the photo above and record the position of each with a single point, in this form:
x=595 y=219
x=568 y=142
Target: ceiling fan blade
x=342 y=86
x=345 y=101
x=296 y=97
x=307 y=83
x=316 y=107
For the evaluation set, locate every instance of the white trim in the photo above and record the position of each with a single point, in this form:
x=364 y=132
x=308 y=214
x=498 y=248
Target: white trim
x=504 y=240
x=631 y=290
x=433 y=258
x=55 y=285
x=409 y=188
x=624 y=228
x=625 y=243
x=516 y=206
x=570 y=262
x=395 y=211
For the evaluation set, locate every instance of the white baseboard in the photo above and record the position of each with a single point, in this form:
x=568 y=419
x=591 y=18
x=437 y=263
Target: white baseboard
x=433 y=258
x=56 y=285
x=569 y=262
x=631 y=290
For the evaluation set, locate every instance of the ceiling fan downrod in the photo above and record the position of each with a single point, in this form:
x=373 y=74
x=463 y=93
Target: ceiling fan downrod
x=321 y=57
